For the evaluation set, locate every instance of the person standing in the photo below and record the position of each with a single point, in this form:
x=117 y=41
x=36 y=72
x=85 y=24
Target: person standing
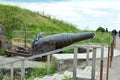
x=114 y=32
x=106 y=30
x=119 y=33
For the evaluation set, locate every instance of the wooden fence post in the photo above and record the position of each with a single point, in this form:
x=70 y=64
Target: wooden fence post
x=87 y=55
x=22 y=69
x=75 y=62
x=108 y=61
x=93 y=63
x=12 y=70
x=112 y=52
x=101 y=63
x=48 y=64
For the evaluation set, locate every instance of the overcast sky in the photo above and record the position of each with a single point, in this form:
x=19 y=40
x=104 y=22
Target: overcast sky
x=85 y=14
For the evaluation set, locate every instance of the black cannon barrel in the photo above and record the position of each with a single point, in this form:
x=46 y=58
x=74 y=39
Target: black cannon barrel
x=64 y=39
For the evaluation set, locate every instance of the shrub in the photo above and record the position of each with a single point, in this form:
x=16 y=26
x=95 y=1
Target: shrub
x=100 y=29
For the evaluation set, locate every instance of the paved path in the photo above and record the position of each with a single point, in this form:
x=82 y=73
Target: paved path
x=83 y=55
x=118 y=42
x=114 y=71
x=28 y=63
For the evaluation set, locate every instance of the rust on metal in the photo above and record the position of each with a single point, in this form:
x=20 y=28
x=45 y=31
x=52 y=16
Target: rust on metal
x=101 y=64
x=108 y=63
x=112 y=50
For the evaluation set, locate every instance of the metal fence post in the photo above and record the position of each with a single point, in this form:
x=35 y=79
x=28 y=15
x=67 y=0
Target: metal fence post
x=22 y=69
x=75 y=62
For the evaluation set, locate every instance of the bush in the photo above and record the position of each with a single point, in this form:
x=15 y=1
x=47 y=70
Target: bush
x=100 y=29
x=1 y=51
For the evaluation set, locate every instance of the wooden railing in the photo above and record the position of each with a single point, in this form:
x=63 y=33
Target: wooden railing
x=56 y=51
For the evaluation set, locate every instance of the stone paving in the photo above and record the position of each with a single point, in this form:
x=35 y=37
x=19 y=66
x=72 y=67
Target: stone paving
x=28 y=63
x=115 y=68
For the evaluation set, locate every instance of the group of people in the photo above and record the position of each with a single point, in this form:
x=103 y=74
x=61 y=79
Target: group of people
x=114 y=32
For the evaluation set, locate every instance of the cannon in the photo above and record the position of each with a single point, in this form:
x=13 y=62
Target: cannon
x=58 y=41
x=45 y=44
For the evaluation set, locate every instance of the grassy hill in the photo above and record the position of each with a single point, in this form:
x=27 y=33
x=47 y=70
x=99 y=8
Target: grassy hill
x=38 y=22
x=35 y=21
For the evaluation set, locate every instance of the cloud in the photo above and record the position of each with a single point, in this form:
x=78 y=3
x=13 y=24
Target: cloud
x=82 y=14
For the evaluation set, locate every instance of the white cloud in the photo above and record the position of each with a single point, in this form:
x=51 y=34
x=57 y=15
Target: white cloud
x=83 y=14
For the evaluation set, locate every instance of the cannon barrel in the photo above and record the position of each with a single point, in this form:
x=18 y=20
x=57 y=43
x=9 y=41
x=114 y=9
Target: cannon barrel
x=57 y=41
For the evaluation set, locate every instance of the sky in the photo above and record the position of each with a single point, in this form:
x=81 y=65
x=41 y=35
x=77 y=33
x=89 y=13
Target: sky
x=84 y=14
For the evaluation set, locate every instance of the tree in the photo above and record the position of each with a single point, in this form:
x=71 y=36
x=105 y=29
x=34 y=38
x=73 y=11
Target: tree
x=100 y=29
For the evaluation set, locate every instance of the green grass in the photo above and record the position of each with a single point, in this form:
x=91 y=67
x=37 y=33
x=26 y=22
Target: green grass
x=41 y=72
x=37 y=22
x=1 y=51
x=104 y=38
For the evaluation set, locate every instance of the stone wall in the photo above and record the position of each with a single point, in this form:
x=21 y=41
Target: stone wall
x=2 y=41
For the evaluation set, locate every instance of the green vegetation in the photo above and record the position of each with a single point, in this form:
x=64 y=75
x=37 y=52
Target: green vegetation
x=37 y=72
x=40 y=72
x=100 y=29
x=1 y=51
x=11 y=17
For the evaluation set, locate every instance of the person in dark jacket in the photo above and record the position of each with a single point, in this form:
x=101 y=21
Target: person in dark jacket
x=114 y=32
x=119 y=33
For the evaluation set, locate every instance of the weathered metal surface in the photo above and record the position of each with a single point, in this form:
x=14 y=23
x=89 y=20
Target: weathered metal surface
x=58 y=41
x=52 y=42
x=18 y=53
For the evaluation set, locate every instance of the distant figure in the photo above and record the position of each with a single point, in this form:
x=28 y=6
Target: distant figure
x=40 y=35
x=106 y=30
x=114 y=32
x=119 y=33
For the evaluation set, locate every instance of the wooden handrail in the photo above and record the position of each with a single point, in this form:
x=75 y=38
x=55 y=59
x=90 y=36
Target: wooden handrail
x=52 y=52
